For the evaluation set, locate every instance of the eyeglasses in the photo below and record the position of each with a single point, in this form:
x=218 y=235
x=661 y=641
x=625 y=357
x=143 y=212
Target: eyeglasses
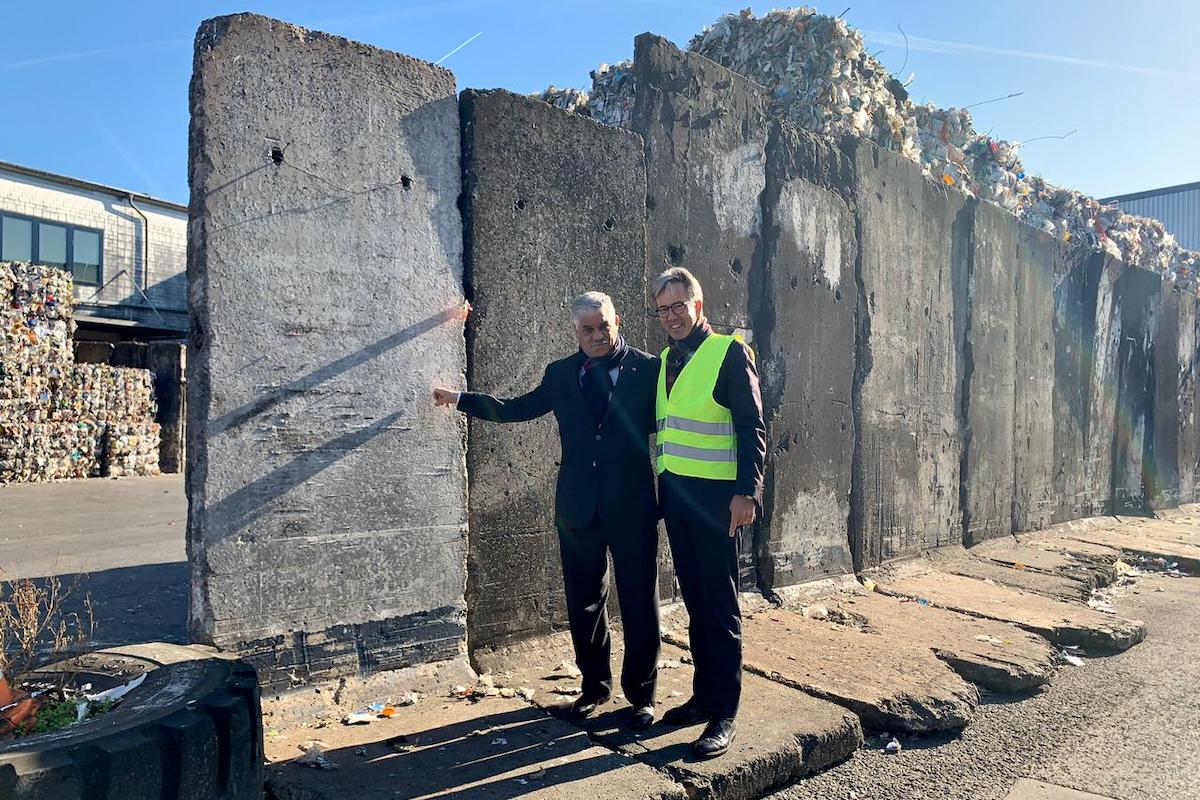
x=675 y=308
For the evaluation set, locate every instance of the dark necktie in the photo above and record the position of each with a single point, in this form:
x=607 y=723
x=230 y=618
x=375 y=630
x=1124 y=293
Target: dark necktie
x=597 y=386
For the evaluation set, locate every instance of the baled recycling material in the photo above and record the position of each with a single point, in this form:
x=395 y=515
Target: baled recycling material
x=59 y=419
x=822 y=79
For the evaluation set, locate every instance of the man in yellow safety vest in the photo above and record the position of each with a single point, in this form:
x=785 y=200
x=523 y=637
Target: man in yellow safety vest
x=710 y=447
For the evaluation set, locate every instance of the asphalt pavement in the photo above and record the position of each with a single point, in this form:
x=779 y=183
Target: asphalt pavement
x=121 y=542
x=1125 y=726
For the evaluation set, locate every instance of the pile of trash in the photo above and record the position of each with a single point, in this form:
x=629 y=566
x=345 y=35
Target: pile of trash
x=611 y=98
x=58 y=419
x=821 y=78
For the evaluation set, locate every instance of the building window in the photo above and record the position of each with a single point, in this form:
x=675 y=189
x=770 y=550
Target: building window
x=70 y=247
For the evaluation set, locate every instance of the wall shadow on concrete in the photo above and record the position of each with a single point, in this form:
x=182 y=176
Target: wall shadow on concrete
x=145 y=603
x=478 y=768
x=248 y=411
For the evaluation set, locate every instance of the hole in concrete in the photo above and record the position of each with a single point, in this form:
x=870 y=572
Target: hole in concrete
x=795 y=281
x=675 y=254
x=609 y=223
x=520 y=204
x=735 y=266
x=406 y=181
x=650 y=202
x=837 y=294
x=277 y=155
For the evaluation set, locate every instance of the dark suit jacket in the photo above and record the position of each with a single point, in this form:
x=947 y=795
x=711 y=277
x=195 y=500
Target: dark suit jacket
x=606 y=467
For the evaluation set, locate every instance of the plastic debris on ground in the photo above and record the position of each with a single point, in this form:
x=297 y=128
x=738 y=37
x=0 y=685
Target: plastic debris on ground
x=58 y=419
x=314 y=756
x=821 y=78
x=1162 y=566
x=816 y=611
x=565 y=669
x=1071 y=658
x=893 y=747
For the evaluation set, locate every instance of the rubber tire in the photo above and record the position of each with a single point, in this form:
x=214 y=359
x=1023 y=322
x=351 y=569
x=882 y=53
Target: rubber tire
x=192 y=730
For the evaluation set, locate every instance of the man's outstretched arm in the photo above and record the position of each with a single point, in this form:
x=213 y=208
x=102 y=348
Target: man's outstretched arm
x=494 y=409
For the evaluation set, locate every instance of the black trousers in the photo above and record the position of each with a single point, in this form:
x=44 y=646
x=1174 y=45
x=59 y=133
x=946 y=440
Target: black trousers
x=634 y=548
x=696 y=512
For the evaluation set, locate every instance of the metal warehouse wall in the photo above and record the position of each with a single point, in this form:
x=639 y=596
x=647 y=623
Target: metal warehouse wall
x=1177 y=207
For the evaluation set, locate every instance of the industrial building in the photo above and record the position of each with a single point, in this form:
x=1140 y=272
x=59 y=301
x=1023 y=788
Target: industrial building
x=127 y=251
x=1176 y=207
x=127 y=254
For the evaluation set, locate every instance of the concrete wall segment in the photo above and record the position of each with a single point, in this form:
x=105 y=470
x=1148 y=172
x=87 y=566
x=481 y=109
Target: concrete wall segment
x=989 y=379
x=1138 y=295
x=327 y=494
x=553 y=206
x=705 y=130
x=805 y=329
x=913 y=242
x=1039 y=259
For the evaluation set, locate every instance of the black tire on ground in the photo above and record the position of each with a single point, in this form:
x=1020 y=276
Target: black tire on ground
x=192 y=730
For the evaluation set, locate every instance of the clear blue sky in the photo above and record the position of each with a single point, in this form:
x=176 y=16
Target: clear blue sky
x=99 y=90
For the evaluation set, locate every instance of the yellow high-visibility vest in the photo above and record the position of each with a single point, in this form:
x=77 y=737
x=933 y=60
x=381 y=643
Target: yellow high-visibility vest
x=695 y=434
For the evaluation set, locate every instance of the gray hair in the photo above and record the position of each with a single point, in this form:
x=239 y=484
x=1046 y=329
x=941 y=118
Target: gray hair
x=677 y=275
x=593 y=301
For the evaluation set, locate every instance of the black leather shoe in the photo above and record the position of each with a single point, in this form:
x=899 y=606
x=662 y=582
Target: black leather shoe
x=643 y=718
x=585 y=706
x=690 y=713
x=716 y=738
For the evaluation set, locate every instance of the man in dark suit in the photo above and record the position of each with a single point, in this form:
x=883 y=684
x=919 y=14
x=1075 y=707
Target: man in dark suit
x=602 y=397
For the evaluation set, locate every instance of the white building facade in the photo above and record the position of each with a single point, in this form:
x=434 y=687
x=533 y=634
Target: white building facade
x=127 y=251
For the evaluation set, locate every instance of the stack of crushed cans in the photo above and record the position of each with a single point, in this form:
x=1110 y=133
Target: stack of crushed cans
x=822 y=79
x=59 y=419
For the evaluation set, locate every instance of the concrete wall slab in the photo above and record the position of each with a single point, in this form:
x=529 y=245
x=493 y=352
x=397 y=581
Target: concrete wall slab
x=806 y=342
x=553 y=208
x=914 y=242
x=327 y=493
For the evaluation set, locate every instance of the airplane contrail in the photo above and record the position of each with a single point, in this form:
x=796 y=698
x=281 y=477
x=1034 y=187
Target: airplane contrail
x=80 y=54
x=460 y=47
x=964 y=48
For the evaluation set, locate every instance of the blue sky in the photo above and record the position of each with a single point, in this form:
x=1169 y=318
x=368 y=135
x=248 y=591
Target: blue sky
x=99 y=90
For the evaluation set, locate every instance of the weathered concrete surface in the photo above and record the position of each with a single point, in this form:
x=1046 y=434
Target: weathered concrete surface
x=1085 y=372
x=1150 y=541
x=1060 y=622
x=1036 y=555
x=996 y=656
x=806 y=343
x=491 y=750
x=1040 y=258
x=989 y=375
x=914 y=235
x=706 y=131
x=891 y=685
x=327 y=521
x=1026 y=789
x=1137 y=298
x=1060 y=587
x=553 y=207
x=1172 y=474
x=782 y=733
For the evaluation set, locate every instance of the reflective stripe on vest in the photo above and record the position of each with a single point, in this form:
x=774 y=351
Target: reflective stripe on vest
x=695 y=435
